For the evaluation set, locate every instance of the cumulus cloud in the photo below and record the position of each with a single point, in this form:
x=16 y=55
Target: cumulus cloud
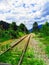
x=24 y=11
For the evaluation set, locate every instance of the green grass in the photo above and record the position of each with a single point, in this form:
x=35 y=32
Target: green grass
x=29 y=58
x=13 y=56
x=21 y=34
x=44 y=40
x=3 y=39
x=5 y=45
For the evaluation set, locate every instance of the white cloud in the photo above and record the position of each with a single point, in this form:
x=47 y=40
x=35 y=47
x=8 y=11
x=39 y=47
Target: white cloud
x=22 y=10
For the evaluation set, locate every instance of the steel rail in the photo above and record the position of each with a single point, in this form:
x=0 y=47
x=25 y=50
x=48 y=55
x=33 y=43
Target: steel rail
x=16 y=43
x=25 y=48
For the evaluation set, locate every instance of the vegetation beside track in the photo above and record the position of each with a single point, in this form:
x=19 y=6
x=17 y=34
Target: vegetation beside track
x=45 y=41
x=42 y=35
x=29 y=58
x=11 y=31
x=13 y=56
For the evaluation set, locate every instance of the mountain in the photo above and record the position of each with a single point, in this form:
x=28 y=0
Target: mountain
x=39 y=26
x=30 y=30
x=4 y=25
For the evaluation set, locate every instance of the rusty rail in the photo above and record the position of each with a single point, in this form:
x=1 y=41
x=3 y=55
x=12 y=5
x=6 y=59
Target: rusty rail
x=25 y=48
x=16 y=43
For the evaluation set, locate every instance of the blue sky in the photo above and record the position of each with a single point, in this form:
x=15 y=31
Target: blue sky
x=24 y=11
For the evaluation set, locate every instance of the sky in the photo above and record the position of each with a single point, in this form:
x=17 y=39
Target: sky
x=24 y=11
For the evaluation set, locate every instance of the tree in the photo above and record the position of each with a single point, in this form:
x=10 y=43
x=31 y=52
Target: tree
x=45 y=29
x=35 y=27
x=23 y=28
x=13 y=26
x=47 y=24
x=12 y=34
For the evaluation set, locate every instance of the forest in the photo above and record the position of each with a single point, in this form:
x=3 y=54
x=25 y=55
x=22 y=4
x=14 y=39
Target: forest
x=11 y=31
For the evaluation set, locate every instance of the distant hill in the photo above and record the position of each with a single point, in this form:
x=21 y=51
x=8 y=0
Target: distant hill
x=4 y=25
x=30 y=30
x=38 y=27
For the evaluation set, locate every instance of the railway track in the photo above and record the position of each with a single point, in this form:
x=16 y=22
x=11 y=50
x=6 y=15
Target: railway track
x=24 y=50
x=12 y=46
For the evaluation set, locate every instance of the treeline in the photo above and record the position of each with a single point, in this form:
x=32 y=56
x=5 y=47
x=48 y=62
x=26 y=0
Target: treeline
x=11 y=31
x=43 y=30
